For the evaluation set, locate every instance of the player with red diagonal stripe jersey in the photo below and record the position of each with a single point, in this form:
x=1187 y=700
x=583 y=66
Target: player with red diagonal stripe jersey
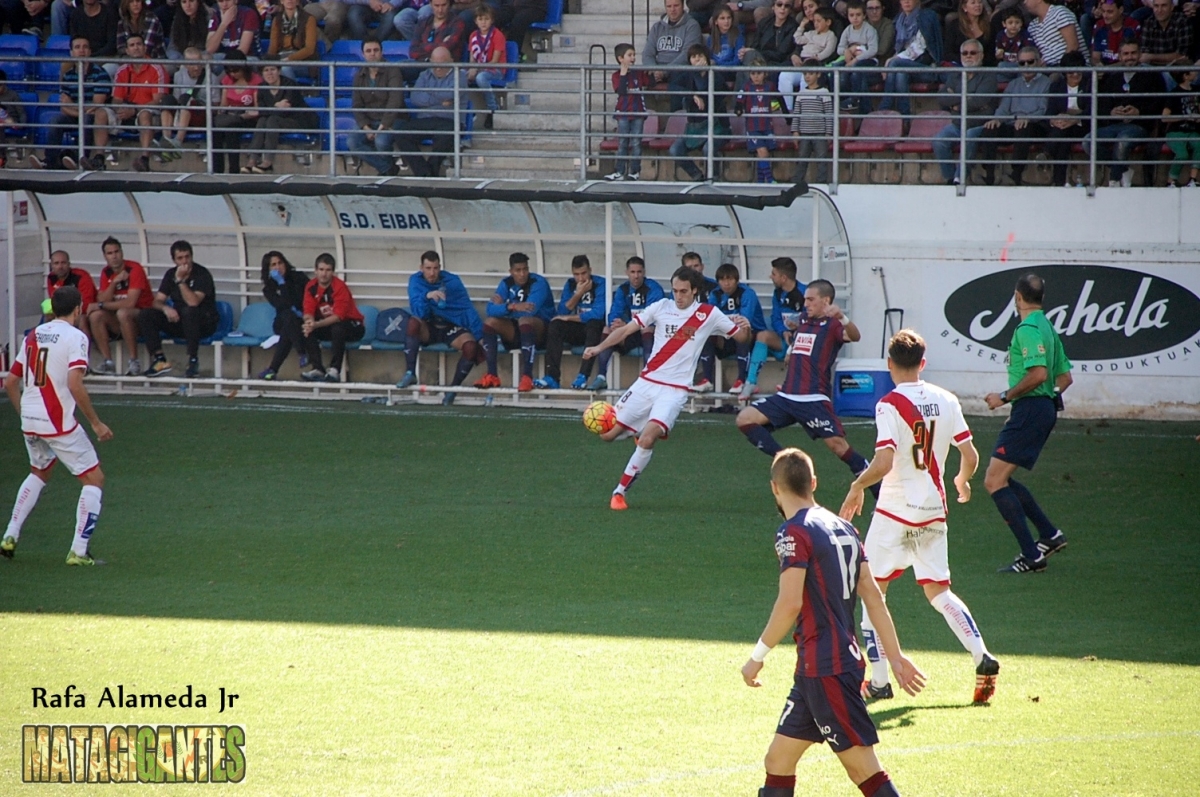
x=649 y=408
x=916 y=425
x=45 y=385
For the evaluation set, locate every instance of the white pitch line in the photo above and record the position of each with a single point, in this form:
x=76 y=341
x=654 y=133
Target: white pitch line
x=667 y=777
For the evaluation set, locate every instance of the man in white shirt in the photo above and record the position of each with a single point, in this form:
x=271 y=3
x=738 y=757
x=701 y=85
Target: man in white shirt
x=916 y=424
x=649 y=408
x=45 y=385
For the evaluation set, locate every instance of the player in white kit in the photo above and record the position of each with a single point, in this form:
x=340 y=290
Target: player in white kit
x=45 y=385
x=649 y=408
x=915 y=426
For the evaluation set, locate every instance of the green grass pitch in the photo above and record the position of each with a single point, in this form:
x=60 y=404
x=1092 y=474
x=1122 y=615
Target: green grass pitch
x=414 y=601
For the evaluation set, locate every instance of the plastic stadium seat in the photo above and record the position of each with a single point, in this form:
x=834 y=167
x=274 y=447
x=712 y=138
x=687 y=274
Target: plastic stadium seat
x=736 y=141
x=512 y=55
x=649 y=131
x=676 y=124
x=925 y=126
x=25 y=43
x=370 y=318
x=395 y=51
x=553 y=20
x=255 y=325
x=224 y=325
x=55 y=43
x=879 y=132
x=781 y=126
x=346 y=47
x=15 y=69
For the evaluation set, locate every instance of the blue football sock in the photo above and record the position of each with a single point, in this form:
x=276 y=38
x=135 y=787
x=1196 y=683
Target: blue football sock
x=528 y=349
x=489 y=349
x=758 y=356
x=1029 y=505
x=412 y=344
x=743 y=360
x=760 y=437
x=708 y=356
x=1010 y=509
x=603 y=360
x=465 y=364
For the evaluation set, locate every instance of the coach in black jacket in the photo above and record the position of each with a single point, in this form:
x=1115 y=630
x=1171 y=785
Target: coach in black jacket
x=283 y=287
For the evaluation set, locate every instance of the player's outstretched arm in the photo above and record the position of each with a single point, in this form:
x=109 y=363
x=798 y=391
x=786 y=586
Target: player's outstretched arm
x=12 y=386
x=783 y=618
x=911 y=679
x=968 y=463
x=616 y=336
x=84 y=402
x=879 y=467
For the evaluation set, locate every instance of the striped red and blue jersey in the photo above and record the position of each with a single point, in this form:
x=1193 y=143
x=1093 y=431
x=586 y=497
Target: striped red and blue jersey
x=828 y=547
x=759 y=103
x=631 y=103
x=815 y=347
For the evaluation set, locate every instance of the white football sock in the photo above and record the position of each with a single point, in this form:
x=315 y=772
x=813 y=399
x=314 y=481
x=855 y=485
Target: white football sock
x=85 y=518
x=875 y=652
x=27 y=498
x=637 y=463
x=958 y=617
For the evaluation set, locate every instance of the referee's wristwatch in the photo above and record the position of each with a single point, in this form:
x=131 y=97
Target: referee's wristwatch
x=1004 y=397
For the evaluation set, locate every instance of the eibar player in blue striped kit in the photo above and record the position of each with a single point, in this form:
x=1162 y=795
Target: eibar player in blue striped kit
x=822 y=570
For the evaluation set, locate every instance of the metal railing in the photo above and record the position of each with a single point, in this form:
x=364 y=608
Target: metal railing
x=570 y=123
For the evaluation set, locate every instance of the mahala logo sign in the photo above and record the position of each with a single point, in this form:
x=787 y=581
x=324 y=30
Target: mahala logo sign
x=1100 y=312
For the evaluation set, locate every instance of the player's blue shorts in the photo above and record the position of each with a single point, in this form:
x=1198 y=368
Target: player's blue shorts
x=816 y=416
x=1029 y=426
x=445 y=331
x=754 y=143
x=828 y=709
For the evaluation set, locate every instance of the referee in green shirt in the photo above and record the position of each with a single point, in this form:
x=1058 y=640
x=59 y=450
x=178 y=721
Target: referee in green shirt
x=1038 y=373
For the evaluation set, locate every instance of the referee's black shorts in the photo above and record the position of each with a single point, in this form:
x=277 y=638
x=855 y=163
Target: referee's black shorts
x=1028 y=428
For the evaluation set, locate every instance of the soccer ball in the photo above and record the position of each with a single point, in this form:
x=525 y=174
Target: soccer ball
x=599 y=417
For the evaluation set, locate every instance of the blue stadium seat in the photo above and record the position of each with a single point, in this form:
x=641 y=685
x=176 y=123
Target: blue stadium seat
x=553 y=20
x=346 y=49
x=512 y=53
x=53 y=44
x=256 y=325
x=395 y=51
x=224 y=325
x=15 y=69
x=29 y=101
x=26 y=43
x=370 y=317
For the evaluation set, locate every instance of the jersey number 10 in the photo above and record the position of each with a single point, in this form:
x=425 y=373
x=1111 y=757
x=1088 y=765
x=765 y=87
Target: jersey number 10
x=922 y=451
x=35 y=359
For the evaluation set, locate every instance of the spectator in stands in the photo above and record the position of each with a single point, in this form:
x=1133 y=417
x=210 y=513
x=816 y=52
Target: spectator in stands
x=579 y=322
x=124 y=292
x=411 y=13
x=517 y=314
x=431 y=115
x=981 y=105
x=725 y=41
x=376 y=99
x=1131 y=103
x=1010 y=38
x=1183 y=128
x=361 y=13
x=187 y=103
x=695 y=101
x=636 y=293
x=185 y=306
x=487 y=45
x=442 y=312
x=135 y=18
x=1114 y=29
x=333 y=12
x=760 y=103
x=233 y=28
x=138 y=89
x=1020 y=116
x=330 y=314
x=1054 y=30
x=439 y=29
x=704 y=12
x=918 y=43
x=12 y=114
x=857 y=47
x=239 y=111
x=189 y=28
x=774 y=41
x=818 y=44
x=1167 y=38
x=669 y=43
x=98 y=115
x=96 y=22
x=630 y=114
x=971 y=22
x=525 y=13
x=294 y=37
x=283 y=287
x=885 y=29
x=787 y=303
x=62 y=274
x=25 y=16
x=733 y=299
x=281 y=107
x=812 y=124
x=1070 y=113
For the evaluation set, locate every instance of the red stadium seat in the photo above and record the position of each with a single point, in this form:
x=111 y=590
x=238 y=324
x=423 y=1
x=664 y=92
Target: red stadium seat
x=879 y=132
x=649 y=131
x=925 y=126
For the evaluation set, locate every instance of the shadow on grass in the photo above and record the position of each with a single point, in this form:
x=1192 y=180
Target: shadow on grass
x=902 y=716
x=499 y=522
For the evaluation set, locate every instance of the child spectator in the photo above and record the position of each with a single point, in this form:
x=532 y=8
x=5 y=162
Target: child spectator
x=812 y=124
x=1183 y=128
x=695 y=135
x=12 y=114
x=190 y=83
x=725 y=41
x=1009 y=40
x=759 y=102
x=858 y=46
x=630 y=115
x=487 y=45
x=821 y=42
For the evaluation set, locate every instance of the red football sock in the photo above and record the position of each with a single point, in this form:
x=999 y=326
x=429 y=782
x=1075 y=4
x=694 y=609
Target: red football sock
x=878 y=785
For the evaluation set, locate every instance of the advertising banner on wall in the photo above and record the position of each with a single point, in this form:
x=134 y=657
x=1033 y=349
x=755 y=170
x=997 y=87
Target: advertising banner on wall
x=1112 y=320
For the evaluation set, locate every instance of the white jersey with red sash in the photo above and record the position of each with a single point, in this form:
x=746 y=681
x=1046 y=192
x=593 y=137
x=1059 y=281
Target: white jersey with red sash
x=918 y=421
x=679 y=337
x=49 y=352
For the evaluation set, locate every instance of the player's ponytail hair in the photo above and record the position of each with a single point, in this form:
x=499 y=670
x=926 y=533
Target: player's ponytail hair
x=792 y=471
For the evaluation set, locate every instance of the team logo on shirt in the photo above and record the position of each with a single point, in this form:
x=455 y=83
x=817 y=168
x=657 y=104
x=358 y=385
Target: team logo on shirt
x=804 y=343
x=785 y=547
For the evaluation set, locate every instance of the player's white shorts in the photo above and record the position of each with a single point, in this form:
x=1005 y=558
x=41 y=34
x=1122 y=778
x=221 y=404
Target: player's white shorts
x=893 y=547
x=74 y=449
x=647 y=402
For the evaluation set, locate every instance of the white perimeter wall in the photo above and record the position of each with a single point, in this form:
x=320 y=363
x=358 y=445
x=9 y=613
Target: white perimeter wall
x=930 y=242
